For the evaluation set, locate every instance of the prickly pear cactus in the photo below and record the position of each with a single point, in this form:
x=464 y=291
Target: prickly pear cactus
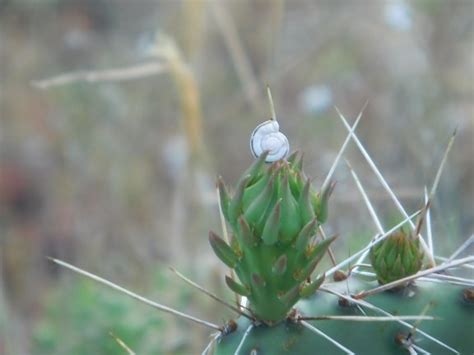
x=274 y=215
x=406 y=306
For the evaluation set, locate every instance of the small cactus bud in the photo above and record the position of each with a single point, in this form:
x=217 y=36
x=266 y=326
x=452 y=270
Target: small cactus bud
x=396 y=257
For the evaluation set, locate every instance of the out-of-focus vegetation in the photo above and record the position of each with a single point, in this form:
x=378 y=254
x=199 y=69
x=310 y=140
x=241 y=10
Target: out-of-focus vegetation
x=117 y=176
x=91 y=313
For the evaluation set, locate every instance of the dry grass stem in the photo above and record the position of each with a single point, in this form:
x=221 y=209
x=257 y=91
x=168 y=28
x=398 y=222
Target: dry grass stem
x=96 y=76
x=239 y=58
x=122 y=344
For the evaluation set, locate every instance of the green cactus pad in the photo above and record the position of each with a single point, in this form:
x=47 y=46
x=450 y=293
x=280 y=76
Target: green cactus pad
x=273 y=214
x=454 y=325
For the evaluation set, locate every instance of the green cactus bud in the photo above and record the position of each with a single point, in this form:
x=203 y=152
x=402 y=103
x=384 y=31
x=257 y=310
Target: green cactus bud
x=396 y=257
x=273 y=215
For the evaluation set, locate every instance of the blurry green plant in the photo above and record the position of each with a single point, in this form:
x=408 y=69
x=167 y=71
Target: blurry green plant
x=92 y=314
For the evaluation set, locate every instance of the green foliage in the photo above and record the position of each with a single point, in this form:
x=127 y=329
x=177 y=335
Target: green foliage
x=454 y=327
x=90 y=312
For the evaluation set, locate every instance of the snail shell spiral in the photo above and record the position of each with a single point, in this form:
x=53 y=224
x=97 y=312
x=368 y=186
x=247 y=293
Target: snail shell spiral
x=267 y=137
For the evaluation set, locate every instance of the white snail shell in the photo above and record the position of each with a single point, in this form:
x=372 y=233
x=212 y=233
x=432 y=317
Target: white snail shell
x=267 y=137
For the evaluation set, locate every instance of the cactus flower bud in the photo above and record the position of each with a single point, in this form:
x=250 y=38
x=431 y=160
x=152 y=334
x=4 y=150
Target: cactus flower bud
x=273 y=214
x=396 y=257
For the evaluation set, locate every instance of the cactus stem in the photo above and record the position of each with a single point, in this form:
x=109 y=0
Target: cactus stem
x=210 y=294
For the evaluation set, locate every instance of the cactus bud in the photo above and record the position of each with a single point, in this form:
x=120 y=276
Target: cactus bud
x=273 y=215
x=396 y=257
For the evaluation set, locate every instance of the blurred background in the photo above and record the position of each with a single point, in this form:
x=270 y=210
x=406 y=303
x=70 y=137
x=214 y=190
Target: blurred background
x=116 y=116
